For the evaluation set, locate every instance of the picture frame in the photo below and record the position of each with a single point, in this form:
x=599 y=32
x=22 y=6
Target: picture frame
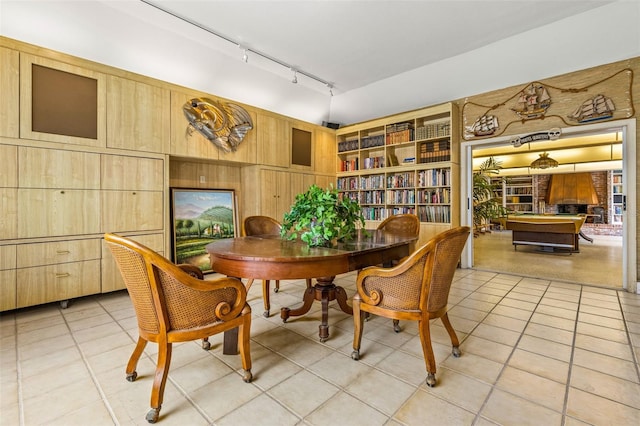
x=199 y=217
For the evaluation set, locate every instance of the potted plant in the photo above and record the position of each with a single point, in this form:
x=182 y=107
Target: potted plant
x=486 y=206
x=321 y=216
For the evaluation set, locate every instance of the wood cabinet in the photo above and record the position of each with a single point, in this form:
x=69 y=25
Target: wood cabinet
x=10 y=89
x=405 y=163
x=273 y=140
x=7 y=277
x=57 y=271
x=137 y=115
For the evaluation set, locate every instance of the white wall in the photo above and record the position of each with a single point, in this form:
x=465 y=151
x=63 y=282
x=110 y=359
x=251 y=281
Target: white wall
x=130 y=36
x=603 y=35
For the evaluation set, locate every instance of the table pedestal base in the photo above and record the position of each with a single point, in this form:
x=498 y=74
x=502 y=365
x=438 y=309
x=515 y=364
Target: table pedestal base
x=325 y=291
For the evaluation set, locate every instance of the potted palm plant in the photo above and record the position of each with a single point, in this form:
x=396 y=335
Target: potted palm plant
x=321 y=217
x=486 y=206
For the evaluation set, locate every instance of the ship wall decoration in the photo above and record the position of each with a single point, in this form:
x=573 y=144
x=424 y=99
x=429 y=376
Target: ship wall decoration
x=606 y=99
x=223 y=124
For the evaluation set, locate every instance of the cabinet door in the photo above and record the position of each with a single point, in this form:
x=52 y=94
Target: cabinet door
x=51 y=283
x=40 y=254
x=54 y=212
x=54 y=168
x=111 y=277
x=275 y=193
x=127 y=211
x=274 y=135
x=300 y=182
x=8 y=213
x=7 y=277
x=134 y=173
x=137 y=116
x=325 y=152
x=10 y=89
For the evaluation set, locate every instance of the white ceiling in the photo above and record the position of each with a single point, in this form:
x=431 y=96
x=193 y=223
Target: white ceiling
x=351 y=44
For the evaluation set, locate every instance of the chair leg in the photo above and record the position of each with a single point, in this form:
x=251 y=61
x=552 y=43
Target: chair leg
x=249 y=284
x=132 y=374
x=396 y=326
x=265 y=298
x=427 y=350
x=358 y=322
x=277 y=289
x=244 y=333
x=455 y=343
x=159 y=381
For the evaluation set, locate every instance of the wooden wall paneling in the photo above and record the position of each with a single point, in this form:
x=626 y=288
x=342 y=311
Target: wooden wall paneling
x=132 y=210
x=122 y=172
x=325 y=151
x=9 y=216
x=300 y=182
x=274 y=140
x=187 y=142
x=9 y=175
x=26 y=130
x=7 y=277
x=138 y=116
x=58 y=212
x=55 y=168
x=10 y=89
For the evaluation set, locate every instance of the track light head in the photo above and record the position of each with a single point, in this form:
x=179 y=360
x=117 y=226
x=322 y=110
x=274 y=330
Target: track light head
x=295 y=76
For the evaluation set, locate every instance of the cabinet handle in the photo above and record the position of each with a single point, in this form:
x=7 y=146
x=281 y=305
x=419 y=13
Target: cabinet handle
x=62 y=252
x=62 y=192
x=62 y=275
x=134 y=193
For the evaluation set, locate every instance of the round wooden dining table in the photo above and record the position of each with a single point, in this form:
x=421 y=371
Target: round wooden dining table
x=272 y=258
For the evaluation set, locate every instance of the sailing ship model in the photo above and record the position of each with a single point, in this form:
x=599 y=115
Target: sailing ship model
x=598 y=108
x=484 y=126
x=532 y=102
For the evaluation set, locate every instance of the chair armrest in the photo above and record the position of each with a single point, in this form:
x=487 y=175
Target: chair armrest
x=192 y=270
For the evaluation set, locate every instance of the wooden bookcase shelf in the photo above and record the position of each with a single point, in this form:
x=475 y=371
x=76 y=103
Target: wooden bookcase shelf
x=405 y=163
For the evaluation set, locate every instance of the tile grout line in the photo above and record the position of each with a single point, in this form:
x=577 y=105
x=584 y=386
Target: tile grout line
x=627 y=333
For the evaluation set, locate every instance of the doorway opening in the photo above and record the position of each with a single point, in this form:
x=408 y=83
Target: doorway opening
x=558 y=266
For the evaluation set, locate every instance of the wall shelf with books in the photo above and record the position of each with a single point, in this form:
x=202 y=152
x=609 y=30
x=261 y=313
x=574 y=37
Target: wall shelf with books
x=405 y=163
x=617 y=197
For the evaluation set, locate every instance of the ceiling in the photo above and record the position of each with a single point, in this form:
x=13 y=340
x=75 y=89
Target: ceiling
x=350 y=44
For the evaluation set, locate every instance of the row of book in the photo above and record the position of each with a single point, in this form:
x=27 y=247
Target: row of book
x=372 y=197
x=434 y=177
x=433 y=130
x=434 y=196
x=436 y=214
x=372 y=141
x=400 y=137
x=381 y=213
x=372 y=182
x=373 y=162
x=349 y=165
x=401 y=196
x=401 y=180
x=347 y=183
x=350 y=145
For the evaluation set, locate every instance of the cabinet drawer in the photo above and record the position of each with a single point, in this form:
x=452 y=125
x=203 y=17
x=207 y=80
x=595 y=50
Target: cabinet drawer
x=55 y=168
x=57 y=252
x=7 y=257
x=111 y=277
x=48 y=212
x=127 y=211
x=8 y=213
x=51 y=283
x=133 y=173
x=9 y=175
x=7 y=289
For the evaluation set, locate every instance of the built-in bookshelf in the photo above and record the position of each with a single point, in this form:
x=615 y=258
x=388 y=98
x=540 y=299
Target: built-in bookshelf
x=518 y=194
x=406 y=163
x=617 y=197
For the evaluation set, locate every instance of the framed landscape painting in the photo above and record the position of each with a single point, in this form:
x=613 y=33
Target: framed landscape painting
x=199 y=217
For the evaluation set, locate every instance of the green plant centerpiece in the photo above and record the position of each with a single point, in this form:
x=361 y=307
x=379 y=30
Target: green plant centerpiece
x=321 y=216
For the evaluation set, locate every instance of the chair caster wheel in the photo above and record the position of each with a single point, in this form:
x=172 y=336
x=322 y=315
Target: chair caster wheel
x=275 y=290
x=456 y=352
x=206 y=345
x=396 y=326
x=266 y=314
x=132 y=377
x=431 y=380
x=153 y=414
x=355 y=355
x=247 y=377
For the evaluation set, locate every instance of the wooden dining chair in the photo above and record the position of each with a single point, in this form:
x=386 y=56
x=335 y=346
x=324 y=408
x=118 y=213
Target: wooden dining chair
x=400 y=224
x=173 y=306
x=263 y=225
x=417 y=289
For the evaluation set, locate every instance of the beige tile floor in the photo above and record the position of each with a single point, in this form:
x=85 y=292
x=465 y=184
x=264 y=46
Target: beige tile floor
x=534 y=352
